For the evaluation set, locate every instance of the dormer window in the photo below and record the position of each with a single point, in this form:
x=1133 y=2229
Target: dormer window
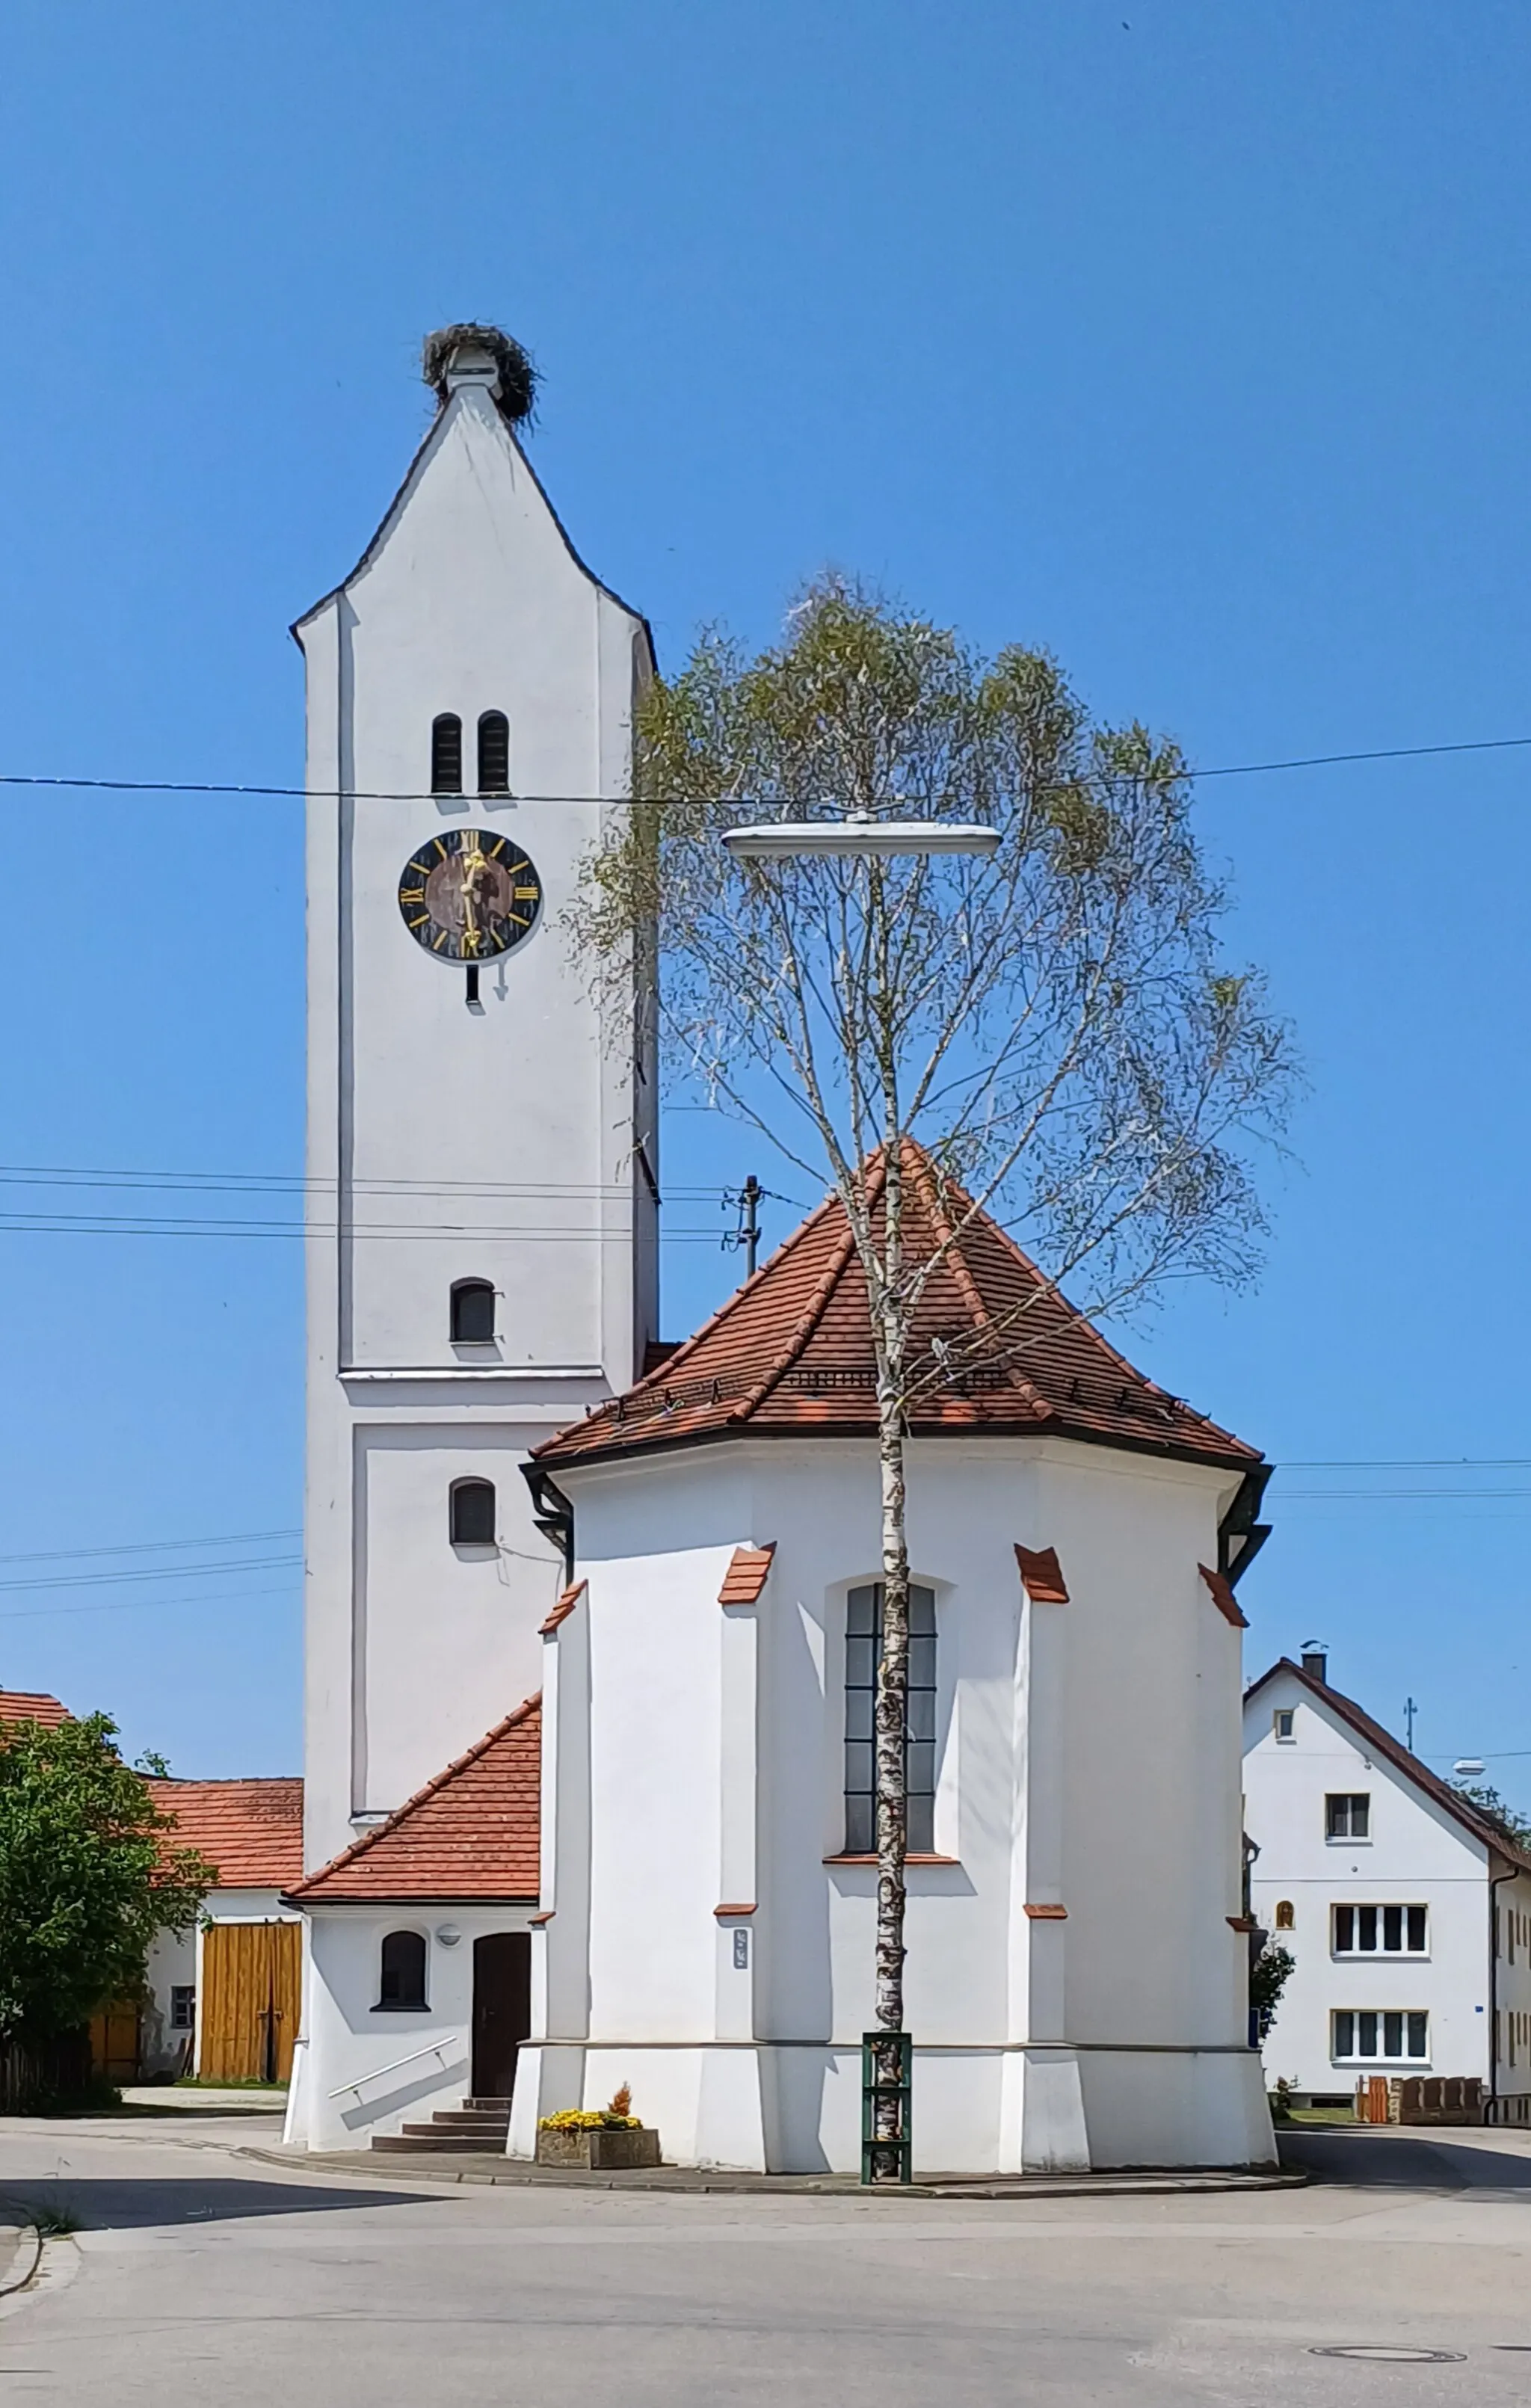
x=472 y=1314
x=447 y=753
x=470 y=1514
x=494 y=754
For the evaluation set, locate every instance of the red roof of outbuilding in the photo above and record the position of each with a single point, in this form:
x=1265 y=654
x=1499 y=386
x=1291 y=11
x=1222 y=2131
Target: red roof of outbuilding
x=472 y=1832
x=995 y=1349
x=251 y=1831
x=31 y=1706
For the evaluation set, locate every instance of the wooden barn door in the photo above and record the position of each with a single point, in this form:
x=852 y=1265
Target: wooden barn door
x=251 y=1977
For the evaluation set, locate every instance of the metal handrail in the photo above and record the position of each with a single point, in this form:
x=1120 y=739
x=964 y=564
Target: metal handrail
x=375 y=2072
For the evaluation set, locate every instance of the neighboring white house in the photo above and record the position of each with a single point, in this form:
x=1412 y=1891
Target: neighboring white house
x=687 y=1904
x=1408 y=1915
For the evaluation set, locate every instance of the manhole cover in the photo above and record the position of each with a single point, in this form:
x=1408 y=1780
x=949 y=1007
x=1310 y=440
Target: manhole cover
x=1387 y=2353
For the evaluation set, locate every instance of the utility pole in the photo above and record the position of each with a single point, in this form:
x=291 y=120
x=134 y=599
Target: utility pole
x=746 y=1235
x=1411 y=1710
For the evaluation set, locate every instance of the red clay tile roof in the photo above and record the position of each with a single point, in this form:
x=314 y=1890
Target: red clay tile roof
x=473 y=1832
x=995 y=1349
x=1381 y=1741
x=563 y=1610
x=251 y=1831
x=1223 y=1597
x=1041 y=1575
x=748 y=1571
x=31 y=1706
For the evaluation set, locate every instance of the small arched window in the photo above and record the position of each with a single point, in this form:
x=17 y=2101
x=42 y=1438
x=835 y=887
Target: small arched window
x=447 y=753
x=471 y=1513
x=494 y=754
x=1286 y=1916
x=402 y=1974
x=472 y=1314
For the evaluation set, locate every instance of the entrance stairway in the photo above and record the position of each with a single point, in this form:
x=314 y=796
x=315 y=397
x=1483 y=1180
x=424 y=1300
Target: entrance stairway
x=480 y=2125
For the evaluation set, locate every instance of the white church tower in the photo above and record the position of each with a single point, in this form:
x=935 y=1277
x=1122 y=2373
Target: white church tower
x=482 y=1148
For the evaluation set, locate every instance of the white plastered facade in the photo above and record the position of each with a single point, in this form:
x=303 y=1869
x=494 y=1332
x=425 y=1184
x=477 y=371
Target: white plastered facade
x=1476 y=1997
x=1089 y=1758
x=513 y=1141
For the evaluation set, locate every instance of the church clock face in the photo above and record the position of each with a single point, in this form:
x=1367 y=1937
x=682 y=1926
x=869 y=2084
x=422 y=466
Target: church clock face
x=469 y=895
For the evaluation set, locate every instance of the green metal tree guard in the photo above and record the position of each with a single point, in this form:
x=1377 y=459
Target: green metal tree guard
x=887 y=2139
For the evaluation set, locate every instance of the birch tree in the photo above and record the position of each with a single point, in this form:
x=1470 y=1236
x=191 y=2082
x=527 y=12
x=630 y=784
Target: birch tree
x=1055 y=1025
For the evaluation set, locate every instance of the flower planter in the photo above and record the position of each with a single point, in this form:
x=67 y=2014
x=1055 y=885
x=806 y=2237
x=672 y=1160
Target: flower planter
x=597 y=2148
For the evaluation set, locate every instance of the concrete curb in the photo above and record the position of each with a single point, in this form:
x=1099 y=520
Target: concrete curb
x=511 y=2173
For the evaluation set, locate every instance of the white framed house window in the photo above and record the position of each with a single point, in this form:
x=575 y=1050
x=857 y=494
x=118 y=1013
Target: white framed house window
x=1284 y=1722
x=1347 y=1816
x=182 y=2006
x=1379 y=2036
x=863 y=1654
x=1381 y=1931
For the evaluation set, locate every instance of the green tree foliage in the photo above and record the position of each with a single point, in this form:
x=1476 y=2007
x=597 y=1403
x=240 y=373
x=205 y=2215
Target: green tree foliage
x=1487 y=1802
x=87 y=1876
x=1055 y=1023
x=1268 y=1977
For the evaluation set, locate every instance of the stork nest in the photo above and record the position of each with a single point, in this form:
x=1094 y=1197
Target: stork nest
x=518 y=372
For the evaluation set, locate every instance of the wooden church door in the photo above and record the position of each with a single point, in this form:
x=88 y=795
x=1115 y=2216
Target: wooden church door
x=502 y=2009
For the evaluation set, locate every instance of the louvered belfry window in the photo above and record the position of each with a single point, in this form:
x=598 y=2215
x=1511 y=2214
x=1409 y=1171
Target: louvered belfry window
x=447 y=753
x=494 y=754
x=863 y=1654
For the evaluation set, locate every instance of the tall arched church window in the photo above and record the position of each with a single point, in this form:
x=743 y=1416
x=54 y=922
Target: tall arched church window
x=862 y=1654
x=447 y=753
x=494 y=754
x=471 y=1513
x=472 y=1313
x=401 y=1980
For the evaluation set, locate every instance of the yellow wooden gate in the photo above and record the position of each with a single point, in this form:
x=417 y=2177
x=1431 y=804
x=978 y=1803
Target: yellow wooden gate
x=251 y=1974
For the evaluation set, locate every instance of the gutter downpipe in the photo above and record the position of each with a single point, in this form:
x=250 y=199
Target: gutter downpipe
x=1497 y=1882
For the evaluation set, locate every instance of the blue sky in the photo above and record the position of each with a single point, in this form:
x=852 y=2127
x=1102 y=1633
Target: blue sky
x=1193 y=346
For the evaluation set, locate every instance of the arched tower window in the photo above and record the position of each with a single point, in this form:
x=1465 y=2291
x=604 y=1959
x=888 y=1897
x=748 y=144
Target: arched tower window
x=401 y=1981
x=494 y=754
x=1286 y=1914
x=447 y=753
x=472 y=1313
x=471 y=1513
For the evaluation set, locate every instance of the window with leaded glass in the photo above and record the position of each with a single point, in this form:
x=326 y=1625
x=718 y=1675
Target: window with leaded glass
x=862 y=1654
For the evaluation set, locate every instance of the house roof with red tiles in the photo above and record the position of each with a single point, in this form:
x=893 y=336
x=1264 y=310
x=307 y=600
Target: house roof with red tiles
x=32 y=1706
x=474 y=1832
x=251 y=1831
x=1381 y=1741
x=996 y=1350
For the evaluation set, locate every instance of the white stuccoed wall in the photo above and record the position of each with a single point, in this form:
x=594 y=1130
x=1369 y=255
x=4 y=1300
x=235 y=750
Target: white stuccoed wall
x=361 y=2069
x=1417 y=1854
x=1116 y=2037
x=469 y=600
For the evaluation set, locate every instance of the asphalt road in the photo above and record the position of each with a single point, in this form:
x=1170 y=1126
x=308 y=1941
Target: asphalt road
x=206 y=2279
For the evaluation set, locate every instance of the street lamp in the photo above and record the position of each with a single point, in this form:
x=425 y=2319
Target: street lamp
x=779 y=839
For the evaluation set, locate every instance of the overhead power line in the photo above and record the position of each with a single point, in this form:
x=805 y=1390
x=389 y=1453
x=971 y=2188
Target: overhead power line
x=137 y=1604
x=421 y=795
x=159 y=1572
x=153 y=1547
